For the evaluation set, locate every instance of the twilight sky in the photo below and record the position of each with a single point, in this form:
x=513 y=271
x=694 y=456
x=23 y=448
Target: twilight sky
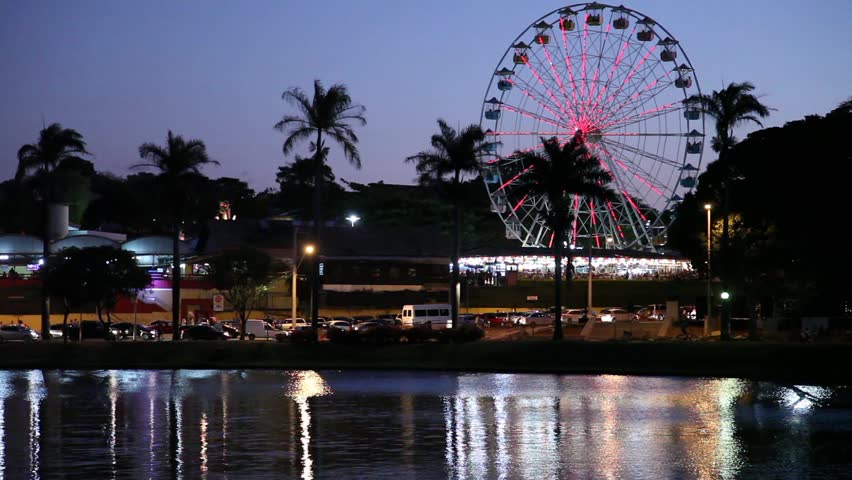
x=123 y=73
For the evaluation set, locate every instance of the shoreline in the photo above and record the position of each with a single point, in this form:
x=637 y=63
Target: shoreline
x=813 y=364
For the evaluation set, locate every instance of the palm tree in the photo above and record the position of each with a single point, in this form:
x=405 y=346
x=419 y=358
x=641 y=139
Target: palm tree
x=558 y=173
x=731 y=107
x=179 y=163
x=453 y=155
x=40 y=159
x=330 y=113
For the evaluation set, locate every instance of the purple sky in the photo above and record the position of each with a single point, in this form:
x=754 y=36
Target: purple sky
x=123 y=73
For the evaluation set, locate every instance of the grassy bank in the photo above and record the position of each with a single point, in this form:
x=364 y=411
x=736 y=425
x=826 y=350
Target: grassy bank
x=800 y=363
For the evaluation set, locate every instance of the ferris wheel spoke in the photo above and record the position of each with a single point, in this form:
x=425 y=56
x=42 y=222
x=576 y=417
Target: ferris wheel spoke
x=635 y=172
x=635 y=99
x=526 y=89
x=651 y=156
x=568 y=66
x=630 y=75
x=646 y=115
x=531 y=115
x=572 y=106
x=636 y=134
x=625 y=43
x=537 y=76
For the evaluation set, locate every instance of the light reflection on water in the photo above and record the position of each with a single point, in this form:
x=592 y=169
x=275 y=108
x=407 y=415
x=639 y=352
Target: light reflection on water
x=333 y=424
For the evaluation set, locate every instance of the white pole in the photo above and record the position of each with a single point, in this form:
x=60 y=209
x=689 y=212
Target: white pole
x=293 y=297
x=135 y=303
x=589 y=299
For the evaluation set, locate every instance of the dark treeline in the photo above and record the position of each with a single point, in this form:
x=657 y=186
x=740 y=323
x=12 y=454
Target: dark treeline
x=136 y=205
x=789 y=246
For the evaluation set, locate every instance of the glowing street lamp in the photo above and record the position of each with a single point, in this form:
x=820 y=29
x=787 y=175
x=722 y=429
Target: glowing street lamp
x=309 y=250
x=353 y=219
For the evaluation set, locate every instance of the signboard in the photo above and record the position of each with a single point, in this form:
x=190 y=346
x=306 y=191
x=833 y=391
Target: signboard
x=532 y=298
x=218 y=303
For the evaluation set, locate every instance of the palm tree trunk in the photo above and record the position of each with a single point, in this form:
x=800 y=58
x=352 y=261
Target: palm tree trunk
x=454 y=286
x=45 y=252
x=176 y=283
x=557 y=280
x=315 y=279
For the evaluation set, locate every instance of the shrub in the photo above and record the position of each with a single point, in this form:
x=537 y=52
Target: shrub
x=418 y=334
x=382 y=334
x=463 y=334
x=343 y=337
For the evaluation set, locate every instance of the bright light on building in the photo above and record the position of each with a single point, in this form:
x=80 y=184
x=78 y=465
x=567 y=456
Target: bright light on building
x=309 y=249
x=41 y=261
x=726 y=295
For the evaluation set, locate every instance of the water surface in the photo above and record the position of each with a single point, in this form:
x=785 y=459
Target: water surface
x=395 y=425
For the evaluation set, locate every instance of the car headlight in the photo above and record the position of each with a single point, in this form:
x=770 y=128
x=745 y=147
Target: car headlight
x=33 y=334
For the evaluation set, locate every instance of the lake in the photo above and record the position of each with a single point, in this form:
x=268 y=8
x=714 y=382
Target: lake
x=239 y=424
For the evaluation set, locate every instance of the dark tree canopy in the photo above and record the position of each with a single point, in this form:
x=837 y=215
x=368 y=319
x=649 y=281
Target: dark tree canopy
x=242 y=275
x=784 y=212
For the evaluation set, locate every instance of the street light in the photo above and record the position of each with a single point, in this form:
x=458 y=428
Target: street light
x=708 y=207
x=353 y=219
x=309 y=250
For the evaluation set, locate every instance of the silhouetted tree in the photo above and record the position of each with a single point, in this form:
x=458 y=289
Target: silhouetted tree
x=55 y=144
x=453 y=156
x=730 y=107
x=557 y=173
x=179 y=163
x=330 y=113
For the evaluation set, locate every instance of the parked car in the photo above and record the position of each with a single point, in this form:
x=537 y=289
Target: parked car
x=363 y=318
x=290 y=324
x=340 y=325
x=201 y=332
x=367 y=326
x=575 y=316
x=517 y=316
x=17 y=332
x=260 y=329
x=124 y=331
x=615 y=315
x=537 y=318
x=495 y=319
x=651 y=312
x=161 y=326
x=466 y=319
x=56 y=330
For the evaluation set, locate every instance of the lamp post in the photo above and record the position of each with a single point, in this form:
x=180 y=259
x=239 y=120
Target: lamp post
x=708 y=207
x=309 y=250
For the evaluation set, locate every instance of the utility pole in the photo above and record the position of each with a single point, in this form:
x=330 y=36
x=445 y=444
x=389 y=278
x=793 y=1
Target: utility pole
x=293 y=298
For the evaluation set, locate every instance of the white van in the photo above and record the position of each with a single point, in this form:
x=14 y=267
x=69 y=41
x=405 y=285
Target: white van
x=260 y=329
x=435 y=314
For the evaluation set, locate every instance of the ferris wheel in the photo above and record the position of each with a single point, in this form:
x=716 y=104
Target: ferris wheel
x=626 y=82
